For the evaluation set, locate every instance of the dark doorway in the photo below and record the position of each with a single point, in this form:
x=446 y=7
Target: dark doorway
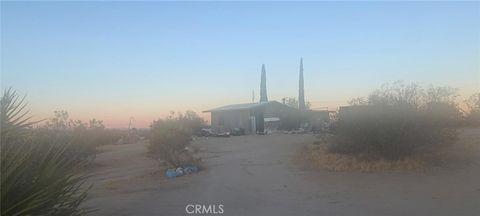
x=259 y=122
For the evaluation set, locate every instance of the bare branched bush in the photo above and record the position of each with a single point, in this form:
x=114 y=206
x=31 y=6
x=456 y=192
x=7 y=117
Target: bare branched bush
x=397 y=121
x=170 y=137
x=473 y=103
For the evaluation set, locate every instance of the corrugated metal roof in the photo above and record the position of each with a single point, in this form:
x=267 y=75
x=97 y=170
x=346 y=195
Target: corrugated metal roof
x=245 y=106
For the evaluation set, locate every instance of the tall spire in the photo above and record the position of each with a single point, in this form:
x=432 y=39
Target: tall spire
x=301 y=96
x=263 y=86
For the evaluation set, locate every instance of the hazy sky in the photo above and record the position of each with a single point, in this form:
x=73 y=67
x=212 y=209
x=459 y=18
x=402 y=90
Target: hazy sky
x=113 y=60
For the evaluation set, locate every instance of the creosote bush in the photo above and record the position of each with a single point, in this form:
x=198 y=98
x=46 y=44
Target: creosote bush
x=84 y=137
x=396 y=122
x=170 y=137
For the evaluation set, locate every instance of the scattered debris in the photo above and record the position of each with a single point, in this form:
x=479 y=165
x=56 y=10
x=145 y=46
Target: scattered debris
x=171 y=173
x=297 y=131
x=179 y=171
x=226 y=134
x=238 y=132
x=190 y=169
x=208 y=132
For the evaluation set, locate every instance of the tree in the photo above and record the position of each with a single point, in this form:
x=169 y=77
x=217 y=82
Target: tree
x=60 y=121
x=473 y=103
x=291 y=102
x=95 y=124
x=308 y=105
x=301 y=96
x=263 y=85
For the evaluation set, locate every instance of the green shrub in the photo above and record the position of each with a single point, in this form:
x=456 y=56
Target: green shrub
x=397 y=121
x=37 y=176
x=169 y=139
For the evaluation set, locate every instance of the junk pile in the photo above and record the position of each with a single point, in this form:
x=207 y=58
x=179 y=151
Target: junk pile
x=298 y=131
x=238 y=132
x=208 y=132
x=179 y=171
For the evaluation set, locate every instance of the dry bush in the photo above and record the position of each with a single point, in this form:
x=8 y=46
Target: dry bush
x=473 y=116
x=84 y=137
x=190 y=120
x=169 y=139
x=321 y=157
x=396 y=122
x=454 y=155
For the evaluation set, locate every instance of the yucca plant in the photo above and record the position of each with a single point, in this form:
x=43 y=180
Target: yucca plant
x=37 y=178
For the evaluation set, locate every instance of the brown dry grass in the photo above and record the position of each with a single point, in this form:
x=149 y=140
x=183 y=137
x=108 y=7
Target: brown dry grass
x=319 y=157
x=458 y=154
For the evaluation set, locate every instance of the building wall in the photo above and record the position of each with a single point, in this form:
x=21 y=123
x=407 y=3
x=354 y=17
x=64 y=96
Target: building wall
x=252 y=120
x=226 y=121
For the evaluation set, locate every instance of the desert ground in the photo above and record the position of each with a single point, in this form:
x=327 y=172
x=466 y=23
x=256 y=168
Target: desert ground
x=257 y=175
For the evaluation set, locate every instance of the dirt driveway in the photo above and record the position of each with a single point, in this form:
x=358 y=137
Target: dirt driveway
x=254 y=175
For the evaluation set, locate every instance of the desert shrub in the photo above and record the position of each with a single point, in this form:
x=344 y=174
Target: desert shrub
x=473 y=116
x=144 y=133
x=190 y=120
x=318 y=156
x=170 y=137
x=397 y=121
x=87 y=137
x=37 y=177
x=131 y=136
x=84 y=137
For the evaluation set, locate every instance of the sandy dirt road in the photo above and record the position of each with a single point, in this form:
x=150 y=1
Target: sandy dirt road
x=255 y=175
